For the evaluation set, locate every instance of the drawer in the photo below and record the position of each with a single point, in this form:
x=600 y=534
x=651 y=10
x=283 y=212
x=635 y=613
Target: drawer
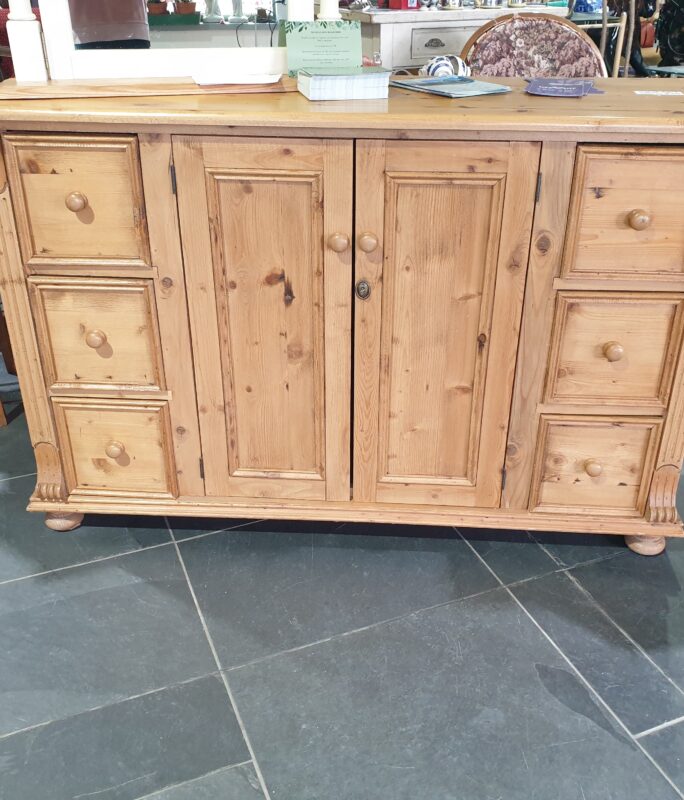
x=428 y=42
x=78 y=200
x=97 y=333
x=594 y=464
x=116 y=446
x=626 y=214
x=614 y=347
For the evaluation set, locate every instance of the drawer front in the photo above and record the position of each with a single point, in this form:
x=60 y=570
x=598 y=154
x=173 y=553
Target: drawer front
x=626 y=214
x=116 y=446
x=78 y=200
x=594 y=465
x=614 y=347
x=428 y=42
x=97 y=333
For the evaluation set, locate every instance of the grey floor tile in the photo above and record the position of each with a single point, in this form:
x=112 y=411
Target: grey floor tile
x=667 y=748
x=27 y=547
x=231 y=783
x=81 y=638
x=190 y=527
x=263 y=593
x=571 y=549
x=16 y=453
x=618 y=671
x=465 y=702
x=127 y=750
x=645 y=596
x=513 y=555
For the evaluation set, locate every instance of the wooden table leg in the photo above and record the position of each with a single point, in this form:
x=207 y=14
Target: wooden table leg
x=3 y=417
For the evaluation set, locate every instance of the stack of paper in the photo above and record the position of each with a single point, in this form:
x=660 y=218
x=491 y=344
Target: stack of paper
x=356 y=83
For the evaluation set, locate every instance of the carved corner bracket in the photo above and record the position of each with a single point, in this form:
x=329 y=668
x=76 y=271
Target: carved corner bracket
x=50 y=486
x=661 y=506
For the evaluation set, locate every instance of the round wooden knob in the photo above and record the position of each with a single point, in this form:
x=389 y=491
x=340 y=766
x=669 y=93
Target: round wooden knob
x=613 y=351
x=95 y=339
x=593 y=468
x=76 y=201
x=115 y=450
x=638 y=219
x=338 y=242
x=368 y=242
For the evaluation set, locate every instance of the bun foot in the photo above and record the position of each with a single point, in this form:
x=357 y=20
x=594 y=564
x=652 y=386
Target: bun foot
x=62 y=522
x=646 y=545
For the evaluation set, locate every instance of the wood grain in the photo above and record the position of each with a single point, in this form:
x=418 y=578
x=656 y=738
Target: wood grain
x=648 y=329
x=548 y=235
x=172 y=309
x=44 y=171
x=280 y=298
x=438 y=431
x=621 y=449
x=68 y=310
x=610 y=183
x=87 y=427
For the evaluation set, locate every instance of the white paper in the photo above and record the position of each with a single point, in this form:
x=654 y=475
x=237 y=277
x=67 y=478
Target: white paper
x=217 y=78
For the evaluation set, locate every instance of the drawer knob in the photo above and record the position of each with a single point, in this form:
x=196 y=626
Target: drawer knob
x=593 y=468
x=76 y=201
x=339 y=242
x=638 y=219
x=613 y=351
x=115 y=450
x=95 y=339
x=368 y=242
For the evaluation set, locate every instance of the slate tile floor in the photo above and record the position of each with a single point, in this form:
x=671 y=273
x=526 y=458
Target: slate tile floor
x=224 y=660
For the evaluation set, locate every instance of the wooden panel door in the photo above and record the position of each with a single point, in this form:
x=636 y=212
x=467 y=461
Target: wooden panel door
x=266 y=227
x=443 y=234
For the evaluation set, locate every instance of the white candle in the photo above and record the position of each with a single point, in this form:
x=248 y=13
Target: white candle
x=300 y=10
x=329 y=9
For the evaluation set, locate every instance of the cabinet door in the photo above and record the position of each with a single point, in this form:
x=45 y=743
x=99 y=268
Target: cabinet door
x=266 y=227
x=436 y=338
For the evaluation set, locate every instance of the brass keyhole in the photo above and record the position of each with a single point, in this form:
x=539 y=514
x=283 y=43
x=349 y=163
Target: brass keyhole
x=363 y=290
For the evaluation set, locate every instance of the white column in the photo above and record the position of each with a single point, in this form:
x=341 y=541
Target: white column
x=26 y=43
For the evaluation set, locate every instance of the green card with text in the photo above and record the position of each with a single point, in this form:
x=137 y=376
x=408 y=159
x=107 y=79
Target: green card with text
x=329 y=44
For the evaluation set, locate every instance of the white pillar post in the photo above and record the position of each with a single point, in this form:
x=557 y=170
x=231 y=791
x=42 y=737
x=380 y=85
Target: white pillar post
x=26 y=43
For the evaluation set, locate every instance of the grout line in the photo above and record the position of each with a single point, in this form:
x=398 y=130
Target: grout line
x=16 y=477
x=243 y=524
x=556 y=560
x=126 y=553
x=593 y=693
x=85 y=563
x=634 y=643
x=661 y=727
x=110 y=703
x=372 y=625
x=164 y=789
x=212 y=647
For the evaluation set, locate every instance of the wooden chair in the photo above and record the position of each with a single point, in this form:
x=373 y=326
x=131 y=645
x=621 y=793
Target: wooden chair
x=604 y=26
x=533 y=46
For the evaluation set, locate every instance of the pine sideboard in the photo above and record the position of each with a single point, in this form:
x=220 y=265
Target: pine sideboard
x=414 y=310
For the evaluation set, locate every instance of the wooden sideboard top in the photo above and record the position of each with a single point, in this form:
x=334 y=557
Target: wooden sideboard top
x=622 y=112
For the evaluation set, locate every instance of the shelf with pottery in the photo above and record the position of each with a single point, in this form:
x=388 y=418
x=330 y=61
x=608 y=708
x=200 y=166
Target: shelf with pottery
x=253 y=306
x=409 y=38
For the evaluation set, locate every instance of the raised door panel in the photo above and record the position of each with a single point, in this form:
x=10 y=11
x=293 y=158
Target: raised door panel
x=437 y=335
x=272 y=333
x=78 y=200
x=626 y=213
